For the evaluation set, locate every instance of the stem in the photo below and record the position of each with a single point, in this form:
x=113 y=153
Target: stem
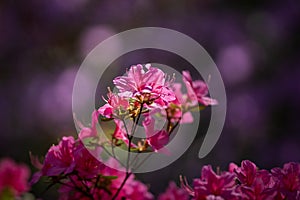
x=143 y=161
x=130 y=137
x=138 y=118
x=173 y=127
x=112 y=155
x=122 y=185
x=78 y=188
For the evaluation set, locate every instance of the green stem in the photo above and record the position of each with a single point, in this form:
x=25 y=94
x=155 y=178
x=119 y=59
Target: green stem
x=130 y=137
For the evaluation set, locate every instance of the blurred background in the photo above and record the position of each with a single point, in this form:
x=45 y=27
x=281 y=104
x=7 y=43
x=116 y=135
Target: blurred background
x=255 y=45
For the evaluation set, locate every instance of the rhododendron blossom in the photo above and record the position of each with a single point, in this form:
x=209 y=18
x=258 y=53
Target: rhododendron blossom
x=212 y=185
x=173 y=192
x=287 y=180
x=13 y=178
x=145 y=96
x=157 y=139
x=246 y=182
x=150 y=86
x=115 y=106
x=197 y=90
x=84 y=177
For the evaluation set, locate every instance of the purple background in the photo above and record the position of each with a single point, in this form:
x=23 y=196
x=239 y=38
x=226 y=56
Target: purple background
x=254 y=43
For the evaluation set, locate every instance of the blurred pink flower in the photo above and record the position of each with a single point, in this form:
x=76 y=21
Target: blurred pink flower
x=150 y=86
x=255 y=184
x=85 y=163
x=288 y=180
x=108 y=184
x=136 y=190
x=246 y=173
x=197 y=90
x=13 y=177
x=173 y=192
x=212 y=186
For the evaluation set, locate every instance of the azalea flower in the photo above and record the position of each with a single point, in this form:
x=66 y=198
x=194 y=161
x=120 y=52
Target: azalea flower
x=212 y=186
x=114 y=107
x=59 y=160
x=173 y=192
x=178 y=109
x=157 y=139
x=13 y=178
x=85 y=163
x=86 y=132
x=85 y=177
x=149 y=87
x=246 y=173
x=288 y=180
x=255 y=184
x=120 y=132
x=103 y=184
x=197 y=90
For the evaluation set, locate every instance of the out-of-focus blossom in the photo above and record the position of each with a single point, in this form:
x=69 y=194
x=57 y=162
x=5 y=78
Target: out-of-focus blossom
x=288 y=180
x=150 y=86
x=174 y=193
x=236 y=63
x=255 y=184
x=197 y=90
x=13 y=178
x=213 y=186
x=246 y=173
x=85 y=163
x=92 y=36
x=104 y=184
x=82 y=176
x=55 y=96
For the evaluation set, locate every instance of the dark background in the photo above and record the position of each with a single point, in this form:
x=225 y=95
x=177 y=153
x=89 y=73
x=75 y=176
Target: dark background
x=255 y=44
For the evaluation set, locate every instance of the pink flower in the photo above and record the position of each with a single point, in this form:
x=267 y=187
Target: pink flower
x=60 y=159
x=255 y=184
x=288 y=180
x=148 y=86
x=13 y=177
x=133 y=189
x=86 y=132
x=157 y=139
x=173 y=192
x=136 y=190
x=120 y=132
x=246 y=173
x=85 y=163
x=213 y=186
x=115 y=106
x=179 y=107
x=104 y=186
x=197 y=90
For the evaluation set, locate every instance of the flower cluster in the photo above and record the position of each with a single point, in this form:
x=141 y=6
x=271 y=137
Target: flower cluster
x=145 y=92
x=246 y=182
x=82 y=176
x=13 y=179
